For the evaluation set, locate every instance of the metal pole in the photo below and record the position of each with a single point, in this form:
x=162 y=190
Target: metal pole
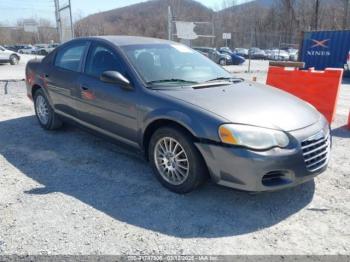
x=58 y=22
x=213 y=32
x=317 y=7
x=346 y=15
x=170 y=23
x=71 y=19
x=5 y=88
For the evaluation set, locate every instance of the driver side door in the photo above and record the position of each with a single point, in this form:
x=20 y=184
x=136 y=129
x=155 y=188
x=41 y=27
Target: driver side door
x=105 y=107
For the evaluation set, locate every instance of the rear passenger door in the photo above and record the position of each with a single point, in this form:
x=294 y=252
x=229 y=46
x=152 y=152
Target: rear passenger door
x=62 y=77
x=107 y=107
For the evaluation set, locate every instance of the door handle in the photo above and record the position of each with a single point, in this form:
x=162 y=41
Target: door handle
x=84 y=88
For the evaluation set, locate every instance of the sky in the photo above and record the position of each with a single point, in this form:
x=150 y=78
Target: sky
x=12 y=10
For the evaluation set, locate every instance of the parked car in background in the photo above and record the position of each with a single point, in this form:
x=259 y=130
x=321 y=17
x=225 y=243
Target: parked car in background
x=348 y=62
x=10 y=47
x=257 y=53
x=46 y=49
x=215 y=55
x=28 y=49
x=39 y=47
x=242 y=52
x=278 y=55
x=8 y=56
x=293 y=54
x=190 y=117
x=235 y=59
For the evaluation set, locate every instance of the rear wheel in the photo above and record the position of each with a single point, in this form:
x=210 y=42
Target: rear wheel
x=175 y=160
x=47 y=118
x=14 y=60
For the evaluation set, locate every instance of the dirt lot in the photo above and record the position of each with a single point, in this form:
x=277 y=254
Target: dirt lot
x=69 y=192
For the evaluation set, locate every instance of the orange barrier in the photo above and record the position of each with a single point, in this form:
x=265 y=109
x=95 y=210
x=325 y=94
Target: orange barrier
x=319 y=88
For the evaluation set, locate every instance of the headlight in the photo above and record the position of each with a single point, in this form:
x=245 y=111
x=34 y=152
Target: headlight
x=252 y=137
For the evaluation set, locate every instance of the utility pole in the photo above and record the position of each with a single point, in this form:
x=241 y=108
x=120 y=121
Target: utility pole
x=346 y=15
x=317 y=7
x=64 y=26
x=170 y=23
x=58 y=21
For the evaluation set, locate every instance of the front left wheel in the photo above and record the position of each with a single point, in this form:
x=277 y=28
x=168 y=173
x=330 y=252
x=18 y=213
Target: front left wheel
x=47 y=118
x=176 y=161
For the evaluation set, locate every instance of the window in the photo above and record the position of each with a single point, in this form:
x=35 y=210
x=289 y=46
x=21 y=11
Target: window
x=2 y=49
x=69 y=58
x=101 y=59
x=156 y=62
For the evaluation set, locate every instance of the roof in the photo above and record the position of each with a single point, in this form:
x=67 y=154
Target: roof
x=132 y=40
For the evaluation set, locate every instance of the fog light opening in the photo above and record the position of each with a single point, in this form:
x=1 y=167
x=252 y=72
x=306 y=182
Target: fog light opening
x=276 y=178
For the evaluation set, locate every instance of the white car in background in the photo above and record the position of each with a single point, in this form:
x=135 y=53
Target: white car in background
x=293 y=54
x=278 y=55
x=29 y=49
x=46 y=49
x=8 y=56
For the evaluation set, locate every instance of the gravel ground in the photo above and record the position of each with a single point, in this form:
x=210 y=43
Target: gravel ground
x=15 y=72
x=69 y=192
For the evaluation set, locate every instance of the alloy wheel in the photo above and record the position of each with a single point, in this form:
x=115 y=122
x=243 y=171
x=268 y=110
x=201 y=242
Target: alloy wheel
x=42 y=109
x=171 y=160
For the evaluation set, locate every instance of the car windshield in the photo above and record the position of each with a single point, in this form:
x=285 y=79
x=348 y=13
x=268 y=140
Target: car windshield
x=171 y=64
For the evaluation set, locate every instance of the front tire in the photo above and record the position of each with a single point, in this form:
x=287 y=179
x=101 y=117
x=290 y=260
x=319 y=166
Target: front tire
x=47 y=118
x=175 y=160
x=14 y=60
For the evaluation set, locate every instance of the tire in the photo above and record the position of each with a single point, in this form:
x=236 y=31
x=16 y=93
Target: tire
x=222 y=62
x=196 y=173
x=14 y=60
x=41 y=104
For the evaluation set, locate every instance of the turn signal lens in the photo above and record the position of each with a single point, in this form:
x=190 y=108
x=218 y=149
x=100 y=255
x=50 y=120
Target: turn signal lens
x=226 y=136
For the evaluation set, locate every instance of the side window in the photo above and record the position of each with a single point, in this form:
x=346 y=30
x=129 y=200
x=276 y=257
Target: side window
x=101 y=59
x=1 y=49
x=69 y=58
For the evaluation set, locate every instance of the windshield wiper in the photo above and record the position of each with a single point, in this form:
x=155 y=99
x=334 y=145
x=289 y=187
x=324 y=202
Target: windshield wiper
x=230 y=79
x=171 y=80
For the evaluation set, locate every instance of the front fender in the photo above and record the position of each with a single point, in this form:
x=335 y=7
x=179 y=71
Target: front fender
x=197 y=123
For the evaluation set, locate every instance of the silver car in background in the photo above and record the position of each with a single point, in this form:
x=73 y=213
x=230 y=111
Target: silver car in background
x=9 y=56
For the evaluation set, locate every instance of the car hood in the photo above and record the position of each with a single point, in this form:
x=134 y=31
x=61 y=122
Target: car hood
x=251 y=103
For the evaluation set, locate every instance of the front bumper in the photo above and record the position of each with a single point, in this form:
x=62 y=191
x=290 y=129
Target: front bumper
x=269 y=170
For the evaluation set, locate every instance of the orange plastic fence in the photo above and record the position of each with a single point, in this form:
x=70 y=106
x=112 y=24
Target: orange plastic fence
x=319 y=88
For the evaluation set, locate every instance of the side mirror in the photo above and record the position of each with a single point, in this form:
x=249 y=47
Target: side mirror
x=114 y=77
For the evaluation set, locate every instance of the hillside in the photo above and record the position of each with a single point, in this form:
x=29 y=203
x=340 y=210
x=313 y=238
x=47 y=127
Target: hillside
x=147 y=18
x=263 y=23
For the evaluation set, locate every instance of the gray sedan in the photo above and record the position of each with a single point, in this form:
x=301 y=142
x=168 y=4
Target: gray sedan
x=190 y=117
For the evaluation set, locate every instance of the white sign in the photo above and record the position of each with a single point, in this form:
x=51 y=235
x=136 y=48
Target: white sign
x=185 y=30
x=30 y=25
x=226 y=36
